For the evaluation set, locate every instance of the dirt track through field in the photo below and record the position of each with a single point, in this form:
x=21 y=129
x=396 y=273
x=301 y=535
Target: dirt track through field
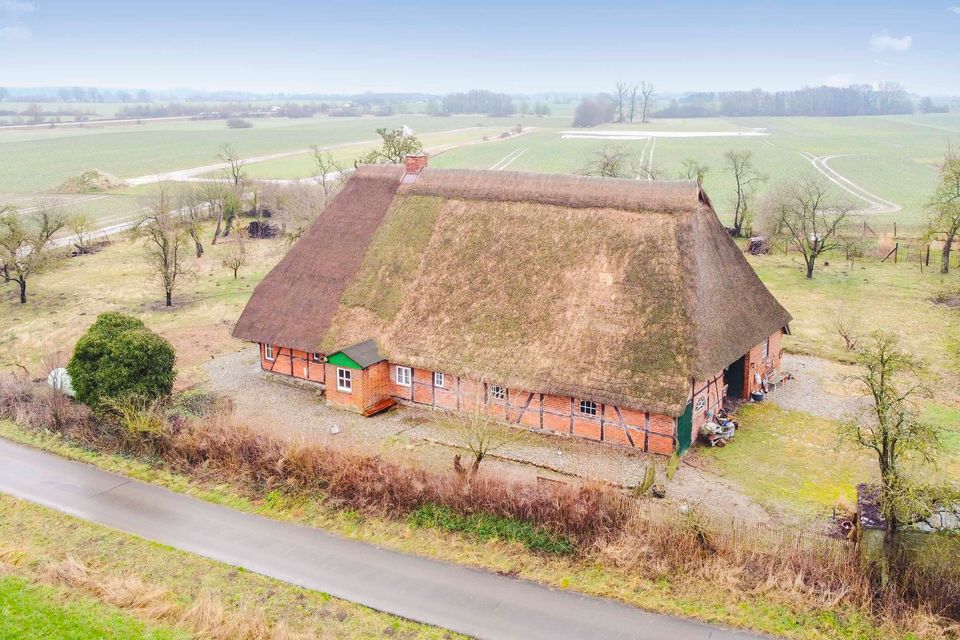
x=502 y=163
x=876 y=203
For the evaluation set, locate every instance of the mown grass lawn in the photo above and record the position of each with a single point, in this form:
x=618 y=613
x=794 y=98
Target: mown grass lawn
x=870 y=295
x=791 y=461
x=30 y=611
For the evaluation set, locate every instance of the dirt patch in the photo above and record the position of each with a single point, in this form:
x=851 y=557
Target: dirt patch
x=951 y=300
x=91 y=181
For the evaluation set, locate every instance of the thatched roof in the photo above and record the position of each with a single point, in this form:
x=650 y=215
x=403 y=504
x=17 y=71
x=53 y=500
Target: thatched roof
x=620 y=291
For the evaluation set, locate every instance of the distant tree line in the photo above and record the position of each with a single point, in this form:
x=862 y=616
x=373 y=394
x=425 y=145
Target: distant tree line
x=855 y=100
x=479 y=101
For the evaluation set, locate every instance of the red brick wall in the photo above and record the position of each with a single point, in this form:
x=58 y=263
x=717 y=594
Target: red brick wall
x=707 y=396
x=552 y=414
x=370 y=386
x=757 y=363
x=292 y=362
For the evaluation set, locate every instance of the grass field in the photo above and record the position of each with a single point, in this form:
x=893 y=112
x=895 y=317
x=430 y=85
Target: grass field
x=37 y=612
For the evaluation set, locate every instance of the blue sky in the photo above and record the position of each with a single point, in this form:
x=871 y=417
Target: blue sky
x=403 y=45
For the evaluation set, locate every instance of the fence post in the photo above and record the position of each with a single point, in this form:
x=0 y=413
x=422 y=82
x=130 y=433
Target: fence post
x=896 y=252
x=928 y=255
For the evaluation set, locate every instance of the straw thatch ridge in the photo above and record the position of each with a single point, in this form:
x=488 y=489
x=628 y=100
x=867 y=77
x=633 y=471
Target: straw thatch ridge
x=294 y=304
x=561 y=190
x=732 y=310
x=618 y=291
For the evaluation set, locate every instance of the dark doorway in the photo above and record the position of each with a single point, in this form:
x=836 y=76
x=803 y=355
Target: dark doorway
x=733 y=376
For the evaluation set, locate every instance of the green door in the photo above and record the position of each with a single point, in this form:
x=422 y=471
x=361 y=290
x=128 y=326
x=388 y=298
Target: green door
x=685 y=429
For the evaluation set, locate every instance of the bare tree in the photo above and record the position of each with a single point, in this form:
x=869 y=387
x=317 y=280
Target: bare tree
x=194 y=210
x=213 y=196
x=25 y=247
x=893 y=379
x=691 y=169
x=747 y=179
x=235 y=165
x=646 y=90
x=166 y=242
x=945 y=205
x=329 y=174
x=612 y=161
x=481 y=435
x=633 y=101
x=81 y=226
x=235 y=256
x=847 y=330
x=809 y=219
x=622 y=90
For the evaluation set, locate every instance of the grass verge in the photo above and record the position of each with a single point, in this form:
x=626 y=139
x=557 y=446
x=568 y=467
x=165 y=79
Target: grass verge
x=33 y=611
x=35 y=541
x=706 y=594
x=483 y=526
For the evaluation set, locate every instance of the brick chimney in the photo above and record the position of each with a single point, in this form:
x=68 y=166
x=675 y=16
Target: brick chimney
x=415 y=163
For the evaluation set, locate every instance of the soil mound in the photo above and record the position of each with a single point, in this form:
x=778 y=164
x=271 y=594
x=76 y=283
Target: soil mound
x=90 y=181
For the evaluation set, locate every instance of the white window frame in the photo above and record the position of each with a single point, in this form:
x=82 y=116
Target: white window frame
x=498 y=392
x=268 y=352
x=766 y=349
x=344 y=380
x=588 y=408
x=404 y=376
x=438 y=379
x=316 y=357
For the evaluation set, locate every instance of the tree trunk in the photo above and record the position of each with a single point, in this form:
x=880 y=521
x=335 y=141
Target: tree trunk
x=216 y=232
x=945 y=256
x=23 y=291
x=810 y=264
x=169 y=298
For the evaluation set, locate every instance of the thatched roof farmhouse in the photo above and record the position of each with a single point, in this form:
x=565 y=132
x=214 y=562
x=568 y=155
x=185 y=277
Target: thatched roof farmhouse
x=618 y=310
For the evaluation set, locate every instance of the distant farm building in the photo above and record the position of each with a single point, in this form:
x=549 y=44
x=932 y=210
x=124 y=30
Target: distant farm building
x=615 y=310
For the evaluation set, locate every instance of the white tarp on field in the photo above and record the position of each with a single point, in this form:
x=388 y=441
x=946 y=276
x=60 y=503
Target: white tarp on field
x=601 y=134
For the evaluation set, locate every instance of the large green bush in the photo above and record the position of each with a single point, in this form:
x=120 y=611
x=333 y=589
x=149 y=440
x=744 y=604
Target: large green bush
x=119 y=357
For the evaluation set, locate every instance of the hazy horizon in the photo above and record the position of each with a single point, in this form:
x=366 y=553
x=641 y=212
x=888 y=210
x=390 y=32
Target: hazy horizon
x=434 y=47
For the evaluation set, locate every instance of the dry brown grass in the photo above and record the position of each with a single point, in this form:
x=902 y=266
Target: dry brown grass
x=804 y=571
x=206 y=618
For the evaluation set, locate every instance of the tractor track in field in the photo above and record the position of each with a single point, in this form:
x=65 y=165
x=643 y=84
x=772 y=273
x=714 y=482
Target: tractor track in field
x=877 y=205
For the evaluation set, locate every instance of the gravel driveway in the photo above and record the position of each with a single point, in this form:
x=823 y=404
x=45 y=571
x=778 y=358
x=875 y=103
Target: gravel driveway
x=820 y=387
x=297 y=412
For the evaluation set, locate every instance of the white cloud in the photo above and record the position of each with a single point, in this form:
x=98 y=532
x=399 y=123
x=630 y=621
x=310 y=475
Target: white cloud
x=840 y=80
x=15 y=32
x=17 y=6
x=883 y=41
x=955 y=9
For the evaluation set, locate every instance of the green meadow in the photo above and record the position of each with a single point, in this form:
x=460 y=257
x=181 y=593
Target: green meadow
x=892 y=157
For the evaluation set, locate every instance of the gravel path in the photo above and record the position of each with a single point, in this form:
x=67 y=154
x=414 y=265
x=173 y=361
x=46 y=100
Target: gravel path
x=298 y=413
x=820 y=387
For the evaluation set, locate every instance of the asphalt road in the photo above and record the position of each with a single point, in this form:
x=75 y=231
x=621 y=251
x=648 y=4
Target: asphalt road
x=472 y=602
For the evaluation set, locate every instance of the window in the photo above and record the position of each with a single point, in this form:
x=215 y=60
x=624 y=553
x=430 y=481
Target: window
x=344 y=380
x=316 y=356
x=268 y=351
x=588 y=407
x=403 y=376
x=437 y=379
x=497 y=392
x=700 y=404
x=766 y=349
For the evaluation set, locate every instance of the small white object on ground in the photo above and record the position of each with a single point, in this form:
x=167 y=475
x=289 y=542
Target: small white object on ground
x=59 y=379
x=335 y=429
